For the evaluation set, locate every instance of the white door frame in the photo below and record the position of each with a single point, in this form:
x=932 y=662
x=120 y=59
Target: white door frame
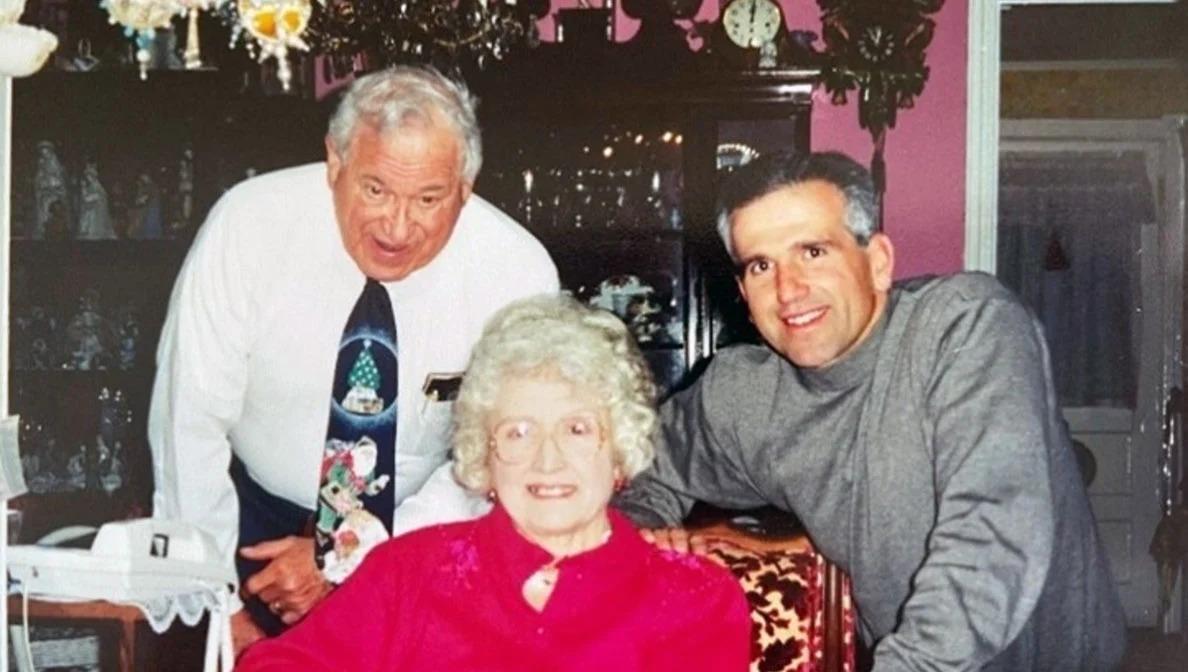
x=983 y=80
x=5 y=281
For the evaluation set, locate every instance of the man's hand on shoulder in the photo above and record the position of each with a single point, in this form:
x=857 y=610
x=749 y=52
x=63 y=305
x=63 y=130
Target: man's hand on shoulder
x=291 y=584
x=676 y=539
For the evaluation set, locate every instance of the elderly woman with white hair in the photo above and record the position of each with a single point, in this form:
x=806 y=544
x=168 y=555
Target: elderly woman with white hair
x=555 y=414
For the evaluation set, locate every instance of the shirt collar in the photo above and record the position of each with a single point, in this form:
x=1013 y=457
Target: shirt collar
x=856 y=367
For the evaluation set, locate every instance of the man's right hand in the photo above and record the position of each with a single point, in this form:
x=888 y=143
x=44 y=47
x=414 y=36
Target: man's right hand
x=676 y=539
x=244 y=631
x=291 y=583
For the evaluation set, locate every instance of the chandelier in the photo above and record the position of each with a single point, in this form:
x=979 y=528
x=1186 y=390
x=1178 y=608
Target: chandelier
x=456 y=36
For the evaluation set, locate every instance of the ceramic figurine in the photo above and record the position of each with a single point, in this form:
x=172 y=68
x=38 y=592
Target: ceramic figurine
x=94 y=215
x=184 y=209
x=129 y=328
x=145 y=213
x=89 y=336
x=49 y=187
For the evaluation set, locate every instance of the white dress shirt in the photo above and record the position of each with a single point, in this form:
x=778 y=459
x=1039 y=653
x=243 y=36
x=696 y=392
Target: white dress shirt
x=247 y=353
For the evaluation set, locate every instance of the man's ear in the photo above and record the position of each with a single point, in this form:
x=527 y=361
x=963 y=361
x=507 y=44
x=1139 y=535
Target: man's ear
x=880 y=254
x=467 y=190
x=333 y=162
x=742 y=289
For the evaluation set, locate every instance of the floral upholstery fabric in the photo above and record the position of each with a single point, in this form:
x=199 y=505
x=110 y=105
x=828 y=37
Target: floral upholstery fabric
x=786 y=590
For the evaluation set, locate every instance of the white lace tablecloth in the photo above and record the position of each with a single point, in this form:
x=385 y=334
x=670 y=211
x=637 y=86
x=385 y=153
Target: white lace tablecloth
x=160 y=612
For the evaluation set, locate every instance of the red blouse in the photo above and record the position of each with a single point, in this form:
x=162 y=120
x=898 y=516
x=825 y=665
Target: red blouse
x=449 y=598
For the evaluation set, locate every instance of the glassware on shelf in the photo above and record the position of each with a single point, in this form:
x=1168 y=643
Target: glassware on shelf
x=601 y=177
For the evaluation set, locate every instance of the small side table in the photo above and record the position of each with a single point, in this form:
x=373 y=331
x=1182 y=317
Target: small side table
x=127 y=616
x=178 y=648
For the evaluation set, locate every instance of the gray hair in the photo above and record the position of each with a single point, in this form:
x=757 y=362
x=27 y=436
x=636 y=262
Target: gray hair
x=773 y=172
x=555 y=336
x=390 y=98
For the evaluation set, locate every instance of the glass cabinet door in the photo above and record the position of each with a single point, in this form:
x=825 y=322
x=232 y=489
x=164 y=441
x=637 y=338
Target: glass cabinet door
x=605 y=199
x=738 y=139
x=111 y=178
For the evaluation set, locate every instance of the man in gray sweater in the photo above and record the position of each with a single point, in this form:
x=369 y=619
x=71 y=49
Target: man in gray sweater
x=913 y=428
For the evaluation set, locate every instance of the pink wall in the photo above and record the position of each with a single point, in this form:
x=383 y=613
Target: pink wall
x=925 y=152
x=925 y=203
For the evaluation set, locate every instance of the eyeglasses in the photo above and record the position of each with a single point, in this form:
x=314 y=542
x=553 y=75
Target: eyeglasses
x=577 y=437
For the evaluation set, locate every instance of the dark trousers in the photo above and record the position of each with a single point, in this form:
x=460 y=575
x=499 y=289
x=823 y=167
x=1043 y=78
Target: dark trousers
x=262 y=517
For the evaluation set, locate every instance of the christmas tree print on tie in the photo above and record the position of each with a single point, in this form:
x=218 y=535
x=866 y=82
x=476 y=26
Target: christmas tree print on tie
x=364 y=380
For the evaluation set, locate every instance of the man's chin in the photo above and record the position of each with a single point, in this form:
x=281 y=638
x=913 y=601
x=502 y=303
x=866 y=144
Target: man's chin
x=386 y=272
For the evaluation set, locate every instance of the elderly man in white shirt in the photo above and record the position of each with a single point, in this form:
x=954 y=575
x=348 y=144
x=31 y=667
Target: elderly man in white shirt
x=247 y=355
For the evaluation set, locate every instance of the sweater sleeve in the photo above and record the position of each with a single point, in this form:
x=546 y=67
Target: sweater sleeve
x=355 y=628
x=990 y=410
x=697 y=458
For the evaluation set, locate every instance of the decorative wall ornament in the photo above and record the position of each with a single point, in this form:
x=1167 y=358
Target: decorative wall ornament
x=877 y=48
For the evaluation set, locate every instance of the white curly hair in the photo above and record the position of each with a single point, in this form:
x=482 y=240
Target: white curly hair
x=557 y=337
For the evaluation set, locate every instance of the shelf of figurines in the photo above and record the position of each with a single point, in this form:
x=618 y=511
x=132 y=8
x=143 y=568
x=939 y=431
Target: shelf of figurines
x=83 y=453
x=85 y=203
x=112 y=334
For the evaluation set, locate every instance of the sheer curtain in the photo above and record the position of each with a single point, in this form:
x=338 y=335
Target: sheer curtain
x=1069 y=243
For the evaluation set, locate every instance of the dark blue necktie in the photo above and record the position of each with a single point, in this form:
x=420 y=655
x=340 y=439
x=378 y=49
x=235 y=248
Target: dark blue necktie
x=355 y=498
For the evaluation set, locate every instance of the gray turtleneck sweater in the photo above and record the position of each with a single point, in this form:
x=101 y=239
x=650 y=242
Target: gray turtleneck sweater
x=931 y=464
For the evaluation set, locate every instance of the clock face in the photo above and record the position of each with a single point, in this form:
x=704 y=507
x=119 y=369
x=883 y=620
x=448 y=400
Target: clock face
x=751 y=23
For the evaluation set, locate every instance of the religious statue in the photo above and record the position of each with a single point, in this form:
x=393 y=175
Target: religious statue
x=89 y=337
x=183 y=213
x=94 y=215
x=145 y=214
x=49 y=187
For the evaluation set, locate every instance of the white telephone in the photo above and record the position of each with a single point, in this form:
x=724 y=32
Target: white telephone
x=130 y=561
x=134 y=560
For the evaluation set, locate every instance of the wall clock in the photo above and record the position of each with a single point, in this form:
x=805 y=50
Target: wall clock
x=748 y=31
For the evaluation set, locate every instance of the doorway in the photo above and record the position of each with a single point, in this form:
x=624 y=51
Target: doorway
x=1090 y=235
